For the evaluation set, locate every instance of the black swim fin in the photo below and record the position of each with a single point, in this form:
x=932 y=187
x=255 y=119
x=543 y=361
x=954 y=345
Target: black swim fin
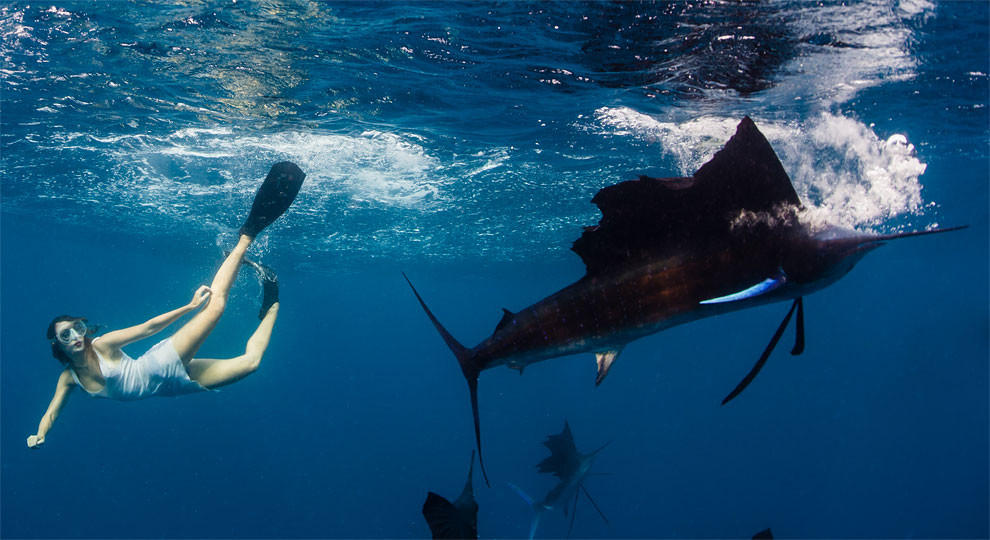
x=269 y=285
x=274 y=196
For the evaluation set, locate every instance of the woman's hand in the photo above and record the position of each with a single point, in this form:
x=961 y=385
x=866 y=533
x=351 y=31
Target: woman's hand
x=35 y=441
x=200 y=296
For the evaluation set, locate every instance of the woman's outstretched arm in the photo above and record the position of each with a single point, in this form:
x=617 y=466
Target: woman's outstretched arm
x=120 y=338
x=62 y=390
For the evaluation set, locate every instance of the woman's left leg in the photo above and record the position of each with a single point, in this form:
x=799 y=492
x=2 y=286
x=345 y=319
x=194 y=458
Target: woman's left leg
x=191 y=336
x=214 y=373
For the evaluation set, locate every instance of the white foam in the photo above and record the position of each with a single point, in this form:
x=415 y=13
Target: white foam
x=690 y=143
x=374 y=167
x=845 y=174
x=377 y=183
x=853 y=178
x=912 y=8
x=493 y=159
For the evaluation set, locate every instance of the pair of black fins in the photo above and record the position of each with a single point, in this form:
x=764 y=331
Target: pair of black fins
x=673 y=250
x=273 y=198
x=460 y=519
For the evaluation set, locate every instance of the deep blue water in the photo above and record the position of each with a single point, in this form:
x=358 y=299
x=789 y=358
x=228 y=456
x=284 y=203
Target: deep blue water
x=461 y=143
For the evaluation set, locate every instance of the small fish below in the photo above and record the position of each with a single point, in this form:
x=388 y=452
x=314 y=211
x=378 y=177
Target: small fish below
x=455 y=520
x=571 y=468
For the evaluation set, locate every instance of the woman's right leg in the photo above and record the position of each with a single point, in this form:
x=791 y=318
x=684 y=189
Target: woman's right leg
x=190 y=337
x=213 y=373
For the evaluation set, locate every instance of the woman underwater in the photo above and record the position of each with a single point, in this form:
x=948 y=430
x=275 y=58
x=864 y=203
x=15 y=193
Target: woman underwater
x=101 y=368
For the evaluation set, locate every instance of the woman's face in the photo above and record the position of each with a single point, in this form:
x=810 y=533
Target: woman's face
x=71 y=336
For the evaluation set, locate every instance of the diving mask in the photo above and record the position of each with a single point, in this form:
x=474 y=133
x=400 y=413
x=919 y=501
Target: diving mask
x=77 y=330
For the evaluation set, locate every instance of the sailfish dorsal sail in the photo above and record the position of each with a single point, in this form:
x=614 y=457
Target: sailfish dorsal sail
x=564 y=458
x=655 y=217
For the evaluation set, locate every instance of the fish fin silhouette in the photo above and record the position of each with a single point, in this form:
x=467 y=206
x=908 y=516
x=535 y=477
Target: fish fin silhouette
x=464 y=359
x=533 y=505
x=445 y=520
x=799 y=328
x=652 y=218
x=573 y=514
x=763 y=358
x=604 y=361
x=593 y=503
x=506 y=317
x=763 y=287
x=564 y=458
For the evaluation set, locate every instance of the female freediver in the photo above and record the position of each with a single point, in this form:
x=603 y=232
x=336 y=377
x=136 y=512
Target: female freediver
x=102 y=369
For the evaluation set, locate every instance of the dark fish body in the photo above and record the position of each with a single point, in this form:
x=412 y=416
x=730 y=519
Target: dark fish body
x=607 y=311
x=455 y=520
x=765 y=534
x=673 y=250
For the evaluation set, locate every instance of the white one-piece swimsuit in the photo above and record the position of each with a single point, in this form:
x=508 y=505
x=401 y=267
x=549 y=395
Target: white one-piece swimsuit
x=158 y=372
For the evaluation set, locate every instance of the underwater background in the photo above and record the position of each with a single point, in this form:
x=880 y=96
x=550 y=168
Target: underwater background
x=461 y=143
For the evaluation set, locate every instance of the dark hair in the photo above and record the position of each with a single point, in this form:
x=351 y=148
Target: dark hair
x=57 y=351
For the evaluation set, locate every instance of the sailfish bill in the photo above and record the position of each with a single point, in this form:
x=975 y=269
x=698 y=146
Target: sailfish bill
x=668 y=251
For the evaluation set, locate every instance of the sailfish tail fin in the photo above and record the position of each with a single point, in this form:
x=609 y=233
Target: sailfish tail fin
x=470 y=370
x=537 y=509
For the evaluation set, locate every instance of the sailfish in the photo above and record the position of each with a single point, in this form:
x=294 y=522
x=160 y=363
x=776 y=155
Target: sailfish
x=458 y=519
x=571 y=469
x=668 y=251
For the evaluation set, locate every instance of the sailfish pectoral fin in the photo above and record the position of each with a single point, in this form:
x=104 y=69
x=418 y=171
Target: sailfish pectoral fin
x=762 y=287
x=766 y=354
x=573 y=513
x=593 y=503
x=604 y=361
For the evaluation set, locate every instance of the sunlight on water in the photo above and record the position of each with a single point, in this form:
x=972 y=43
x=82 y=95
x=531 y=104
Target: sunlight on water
x=170 y=150
x=846 y=49
x=845 y=174
x=386 y=194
